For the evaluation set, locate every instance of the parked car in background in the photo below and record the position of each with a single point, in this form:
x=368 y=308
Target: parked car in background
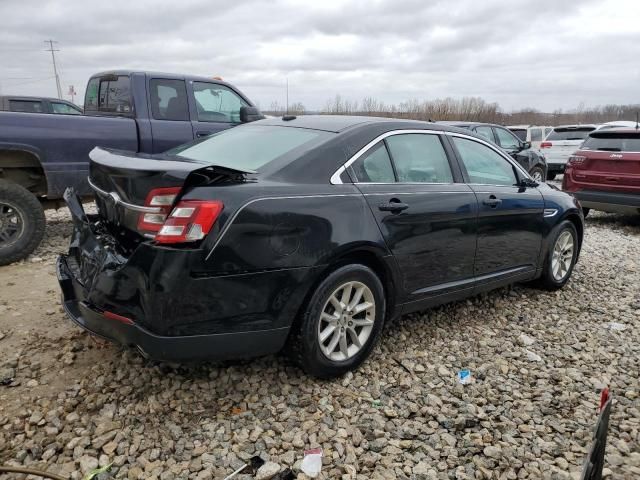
x=560 y=144
x=310 y=231
x=604 y=174
x=41 y=155
x=534 y=134
x=616 y=124
x=531 y=160
x=15 y=103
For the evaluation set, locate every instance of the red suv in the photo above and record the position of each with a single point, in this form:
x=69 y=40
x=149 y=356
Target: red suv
x=604 y=174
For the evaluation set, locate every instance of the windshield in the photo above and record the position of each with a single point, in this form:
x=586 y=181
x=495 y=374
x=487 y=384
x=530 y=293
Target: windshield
x=613 y=143
x=570 y=133
x=250 y=147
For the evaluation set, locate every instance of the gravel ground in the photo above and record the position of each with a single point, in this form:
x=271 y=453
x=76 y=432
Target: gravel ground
x=538 y=362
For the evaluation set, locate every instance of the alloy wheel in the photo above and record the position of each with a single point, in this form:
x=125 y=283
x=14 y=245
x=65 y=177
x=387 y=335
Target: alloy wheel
x=562 y=256
x=346 y=321
x=11 y=224
x=537 y=176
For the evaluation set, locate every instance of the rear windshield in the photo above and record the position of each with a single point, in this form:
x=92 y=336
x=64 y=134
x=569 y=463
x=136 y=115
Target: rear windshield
x=613 y=143
x=579 y=133
x=250 y=147
x=521 y=134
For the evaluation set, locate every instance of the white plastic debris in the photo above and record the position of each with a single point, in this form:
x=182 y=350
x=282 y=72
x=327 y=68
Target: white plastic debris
x=616 y=326
x=312 y=462
x=526 y=340
x=533 y=357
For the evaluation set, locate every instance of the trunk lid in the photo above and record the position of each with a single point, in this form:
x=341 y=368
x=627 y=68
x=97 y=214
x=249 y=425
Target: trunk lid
x=133 y=188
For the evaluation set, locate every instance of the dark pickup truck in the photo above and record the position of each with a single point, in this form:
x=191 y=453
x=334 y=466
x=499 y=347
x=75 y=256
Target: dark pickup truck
x=16 y=103
x=42 y=154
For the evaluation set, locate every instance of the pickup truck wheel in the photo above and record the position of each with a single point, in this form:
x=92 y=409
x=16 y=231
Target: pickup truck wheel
x=537 y=174
x=22 y=222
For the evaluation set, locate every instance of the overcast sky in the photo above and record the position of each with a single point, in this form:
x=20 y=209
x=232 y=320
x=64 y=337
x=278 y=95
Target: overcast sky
x=545 y=54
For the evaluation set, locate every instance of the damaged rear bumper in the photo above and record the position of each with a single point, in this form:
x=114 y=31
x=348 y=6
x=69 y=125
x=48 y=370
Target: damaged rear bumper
x=221 y=346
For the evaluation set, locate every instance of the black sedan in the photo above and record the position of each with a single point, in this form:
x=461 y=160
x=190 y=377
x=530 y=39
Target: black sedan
x=305 y=233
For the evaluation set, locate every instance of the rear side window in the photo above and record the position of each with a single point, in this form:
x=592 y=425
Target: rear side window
x=536 y=135
x=374 y=166
x=28 y=106
x=484 y=165
x=506 y=138
x=169 y=99
x=419 y=158
x=250 y=147
x=64 y=109
x=110 y=94
x=613 y=143
x=217 y=103
x=570 y=133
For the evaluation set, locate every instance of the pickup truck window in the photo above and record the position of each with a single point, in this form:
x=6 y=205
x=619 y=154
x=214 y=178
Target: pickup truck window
x=169 y=99
x=64 y=109
x=109 y=94
x=29 y=106
x=217 y=103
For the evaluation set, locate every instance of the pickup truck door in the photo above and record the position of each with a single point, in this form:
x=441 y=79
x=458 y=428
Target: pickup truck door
x=169 y=113
x=214 y=107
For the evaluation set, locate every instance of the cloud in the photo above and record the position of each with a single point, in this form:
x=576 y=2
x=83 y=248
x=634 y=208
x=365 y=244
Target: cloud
x=544 y=54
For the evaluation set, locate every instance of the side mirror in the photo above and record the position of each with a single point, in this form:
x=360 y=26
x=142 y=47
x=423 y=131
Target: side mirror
x=250 y=114
x=526 y=182
x=526 y=145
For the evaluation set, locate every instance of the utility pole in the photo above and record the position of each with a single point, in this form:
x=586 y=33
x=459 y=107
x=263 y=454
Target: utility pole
x=287 y=96
x=55 y=69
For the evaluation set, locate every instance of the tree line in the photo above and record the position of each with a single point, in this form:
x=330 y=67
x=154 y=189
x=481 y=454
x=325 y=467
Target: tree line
x=473 y=109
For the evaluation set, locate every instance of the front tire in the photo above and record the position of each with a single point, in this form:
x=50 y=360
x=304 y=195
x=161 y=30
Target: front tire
x=341 y=322
x=561 y=257
x=22 y=222
x=537 y=173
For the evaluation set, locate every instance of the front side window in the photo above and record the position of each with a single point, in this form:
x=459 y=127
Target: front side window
x=419 y=158
x=485 y=132
x=169 y=99
x=374 y=166
x=506 y=139
x=217 y=103
x=484 y=165
x=28 y=106
x=64 y=109
x=110 y=94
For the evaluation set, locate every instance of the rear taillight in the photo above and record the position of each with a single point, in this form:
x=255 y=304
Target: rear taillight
x=189 y=221
x=162 y=199
x=546 y=145
x=576 y=160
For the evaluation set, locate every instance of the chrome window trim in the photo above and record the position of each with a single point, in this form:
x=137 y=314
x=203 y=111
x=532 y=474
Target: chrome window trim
x=117 y=200
x=336 y=180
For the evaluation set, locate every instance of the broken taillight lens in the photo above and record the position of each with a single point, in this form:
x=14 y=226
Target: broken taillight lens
x=189 y=221
x=162 y=199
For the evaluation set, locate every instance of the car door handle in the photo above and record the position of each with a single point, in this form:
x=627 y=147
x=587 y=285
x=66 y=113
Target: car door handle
x=492 y=201
x=392 y=206
x=203 y=134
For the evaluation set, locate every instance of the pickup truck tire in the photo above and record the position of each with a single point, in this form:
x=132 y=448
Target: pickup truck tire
x=22 y=222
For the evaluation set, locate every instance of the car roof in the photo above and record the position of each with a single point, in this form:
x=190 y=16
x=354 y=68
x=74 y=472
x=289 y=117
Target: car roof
x=459 y=123
x=341 y=123
x=165 y=75
x=579 y=125
x=615 y=132
x=27 y=97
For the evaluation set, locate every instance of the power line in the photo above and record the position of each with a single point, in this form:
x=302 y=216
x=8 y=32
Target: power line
x=55 y=69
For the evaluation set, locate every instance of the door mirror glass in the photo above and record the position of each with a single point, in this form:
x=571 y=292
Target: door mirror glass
x=526 y=145
x=484 y=165
x=250 y=114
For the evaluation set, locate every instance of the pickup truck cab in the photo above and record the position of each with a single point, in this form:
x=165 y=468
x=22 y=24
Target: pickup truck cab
x=146 y=112
x=14 y=103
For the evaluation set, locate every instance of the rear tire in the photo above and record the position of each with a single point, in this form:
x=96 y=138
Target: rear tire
x=22 y=222
x=561 y=257
x=551 y=175
x=339 y=328
x=537 y=173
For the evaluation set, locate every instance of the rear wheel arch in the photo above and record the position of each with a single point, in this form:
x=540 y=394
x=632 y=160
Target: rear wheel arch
x=24 y=168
